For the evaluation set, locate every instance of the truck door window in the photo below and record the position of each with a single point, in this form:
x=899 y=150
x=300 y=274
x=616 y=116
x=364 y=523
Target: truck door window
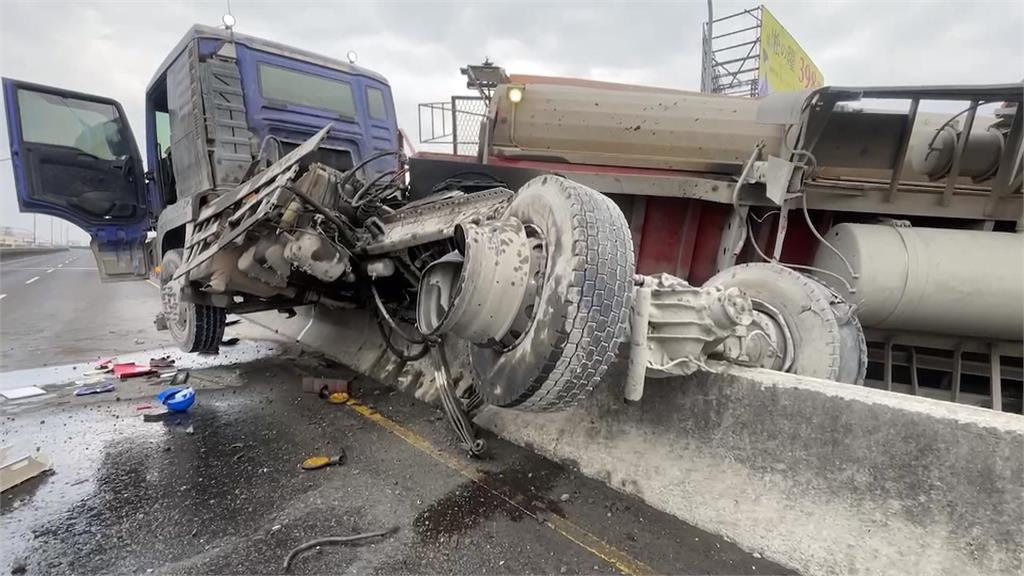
x=375 y=103
x=91 y=127
x=291 y=87
x=163 y=132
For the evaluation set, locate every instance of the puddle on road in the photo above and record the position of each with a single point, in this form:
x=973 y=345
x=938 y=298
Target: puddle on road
x=526 y=484
x=48 y=376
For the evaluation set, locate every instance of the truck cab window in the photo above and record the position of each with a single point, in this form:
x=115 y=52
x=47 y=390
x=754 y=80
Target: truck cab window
x=303 y=89
x=375 y=103
x=91 y=127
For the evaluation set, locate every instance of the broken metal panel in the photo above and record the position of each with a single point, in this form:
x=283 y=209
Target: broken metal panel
x=264 y=201
x=188 y=128
x=230 y=141
x=284 y=164
x=427 y=221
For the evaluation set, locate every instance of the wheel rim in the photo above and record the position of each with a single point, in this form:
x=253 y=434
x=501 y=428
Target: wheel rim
x=174 y=308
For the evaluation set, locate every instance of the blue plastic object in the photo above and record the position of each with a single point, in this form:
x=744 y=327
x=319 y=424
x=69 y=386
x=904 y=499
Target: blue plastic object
x=177 y=399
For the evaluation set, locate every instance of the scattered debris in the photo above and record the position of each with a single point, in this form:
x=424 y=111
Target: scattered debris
x=144 y=407
x=232 y=322
x=98 y=371
x=93 y=380
x=156 y=416
x=23 y=392
x=190 y=430
x=332 y=540
x=338 y=398
x=317 y=462
x=140 y=341
x=97 y=389
x=180 y=378
x=324 y=386
x=131 y=370
x=229 y=341
x=564 y=497
x=16 y=469
x=19 y=566
x=161 y=362
x=177 y=399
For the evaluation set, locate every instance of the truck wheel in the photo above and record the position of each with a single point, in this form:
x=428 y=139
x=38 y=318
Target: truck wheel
x=814 y=331
x=194 y=327
x=582 y=305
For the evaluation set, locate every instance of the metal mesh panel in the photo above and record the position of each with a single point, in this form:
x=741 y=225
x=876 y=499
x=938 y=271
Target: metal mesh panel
x=731 y=53
x=455 y=123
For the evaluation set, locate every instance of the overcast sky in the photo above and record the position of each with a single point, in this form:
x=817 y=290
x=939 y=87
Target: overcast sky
x=113 y=48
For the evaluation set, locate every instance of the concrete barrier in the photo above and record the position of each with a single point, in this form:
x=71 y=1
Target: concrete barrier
x=823 y=477
x=11 y=253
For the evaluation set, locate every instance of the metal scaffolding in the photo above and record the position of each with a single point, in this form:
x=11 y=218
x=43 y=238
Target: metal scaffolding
x=731 y=53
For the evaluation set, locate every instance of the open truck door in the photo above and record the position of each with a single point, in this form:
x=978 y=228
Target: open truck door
x=74 y=157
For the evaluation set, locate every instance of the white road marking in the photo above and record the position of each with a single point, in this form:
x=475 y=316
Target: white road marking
x=60 y=265
x=2 y=296
x=155 y=285
x=32 y=279
x=50 y=270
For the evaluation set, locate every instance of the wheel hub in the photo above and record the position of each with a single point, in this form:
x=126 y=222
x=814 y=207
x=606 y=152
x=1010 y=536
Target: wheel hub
x=486 y=289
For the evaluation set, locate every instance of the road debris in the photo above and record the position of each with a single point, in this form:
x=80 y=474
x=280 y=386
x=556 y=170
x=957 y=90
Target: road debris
x=324 y=386
x=177 y=399
x=24 y=392
x=132 y=370
x=155 y=416
x=16 y=469
x=161 y=362
x=338 y=398
x=96 y=389
x=230 y=341
x=332 y=540
x=318 y=462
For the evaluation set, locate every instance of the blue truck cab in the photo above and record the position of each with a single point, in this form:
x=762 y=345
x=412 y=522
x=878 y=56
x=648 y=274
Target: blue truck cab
x=220 y=106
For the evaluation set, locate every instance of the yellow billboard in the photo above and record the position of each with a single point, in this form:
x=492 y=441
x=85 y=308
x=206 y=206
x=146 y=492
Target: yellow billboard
x=783 y=65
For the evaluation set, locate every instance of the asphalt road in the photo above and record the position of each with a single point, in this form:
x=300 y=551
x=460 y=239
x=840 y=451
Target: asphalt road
x=54 y=309
x=219 y=491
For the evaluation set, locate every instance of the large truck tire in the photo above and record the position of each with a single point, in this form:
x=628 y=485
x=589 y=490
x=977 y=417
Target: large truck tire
x=582 y=307
x=823 y=337
x=194 y=327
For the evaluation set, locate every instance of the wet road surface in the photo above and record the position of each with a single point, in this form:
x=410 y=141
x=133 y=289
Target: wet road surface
x=54 y=309
x=219 y=491
x=229 y=498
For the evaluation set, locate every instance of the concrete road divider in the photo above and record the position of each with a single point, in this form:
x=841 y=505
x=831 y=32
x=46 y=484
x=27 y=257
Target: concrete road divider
x=824 y=477
x=13 y=252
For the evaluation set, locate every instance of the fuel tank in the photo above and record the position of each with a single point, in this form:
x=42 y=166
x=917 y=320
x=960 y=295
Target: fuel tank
x=935 y=280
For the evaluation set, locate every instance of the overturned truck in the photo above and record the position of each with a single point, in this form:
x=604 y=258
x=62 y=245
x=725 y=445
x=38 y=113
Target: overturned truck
x=596 y=222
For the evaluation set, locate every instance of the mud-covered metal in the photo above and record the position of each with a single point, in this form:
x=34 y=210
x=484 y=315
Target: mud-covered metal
x=432 y=219
x=479 y=295
x=684 y=324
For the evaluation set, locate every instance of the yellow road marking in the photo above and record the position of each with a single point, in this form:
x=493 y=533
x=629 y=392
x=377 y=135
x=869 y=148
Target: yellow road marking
x=622 y=561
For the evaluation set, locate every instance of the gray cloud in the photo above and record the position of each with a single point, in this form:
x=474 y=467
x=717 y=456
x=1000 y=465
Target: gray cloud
x=112 y=48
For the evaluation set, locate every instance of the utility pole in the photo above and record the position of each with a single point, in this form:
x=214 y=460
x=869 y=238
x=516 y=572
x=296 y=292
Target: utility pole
x=707 y=83
x=35 y=241
x=51 y=230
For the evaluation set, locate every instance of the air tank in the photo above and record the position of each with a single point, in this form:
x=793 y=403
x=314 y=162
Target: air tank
x=933 y=280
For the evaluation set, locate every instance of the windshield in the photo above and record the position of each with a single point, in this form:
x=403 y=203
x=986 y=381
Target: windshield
x=292 y=87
